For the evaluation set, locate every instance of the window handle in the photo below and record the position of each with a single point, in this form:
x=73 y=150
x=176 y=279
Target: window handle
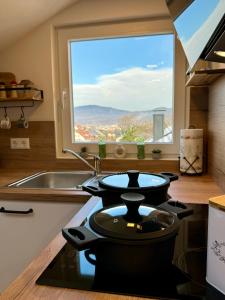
x=9 y=211
x=63 y=98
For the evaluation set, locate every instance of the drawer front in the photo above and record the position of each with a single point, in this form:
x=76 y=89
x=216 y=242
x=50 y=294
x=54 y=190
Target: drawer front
x=24 y=235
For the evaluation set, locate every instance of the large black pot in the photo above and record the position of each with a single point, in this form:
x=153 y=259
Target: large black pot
x=128 y=240
x=153 y=186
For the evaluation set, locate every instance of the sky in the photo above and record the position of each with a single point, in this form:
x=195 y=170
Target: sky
x=134 y=73
x=194 y=16
x=196 y=25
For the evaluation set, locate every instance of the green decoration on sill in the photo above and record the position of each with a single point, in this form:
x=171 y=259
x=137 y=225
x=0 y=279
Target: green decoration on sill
x=102 y=149
x=140 y=148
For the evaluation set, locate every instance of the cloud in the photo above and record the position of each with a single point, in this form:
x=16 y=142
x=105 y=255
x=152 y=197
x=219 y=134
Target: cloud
x=141 y=37
x=151 y=66
x=131 y=89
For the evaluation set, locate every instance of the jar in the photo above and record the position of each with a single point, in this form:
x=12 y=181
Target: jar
x=20 y=91
x=13 y=93
x=102 y=149
x=28 y=85
x=215 y=270
x=2 y=90
x=140 y=150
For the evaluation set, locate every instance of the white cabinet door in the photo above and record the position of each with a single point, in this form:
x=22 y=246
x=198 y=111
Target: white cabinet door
x=22 y=237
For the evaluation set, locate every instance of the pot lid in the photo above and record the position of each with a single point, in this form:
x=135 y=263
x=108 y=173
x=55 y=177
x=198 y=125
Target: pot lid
x=133 y=180
x=133 y=221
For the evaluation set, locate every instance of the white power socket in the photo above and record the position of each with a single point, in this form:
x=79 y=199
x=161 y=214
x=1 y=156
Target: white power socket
x=19 y=143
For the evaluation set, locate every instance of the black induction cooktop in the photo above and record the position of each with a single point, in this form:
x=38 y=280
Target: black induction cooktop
x=185 y=279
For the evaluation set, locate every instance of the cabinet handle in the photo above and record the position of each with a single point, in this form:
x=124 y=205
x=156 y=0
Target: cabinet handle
x=9 y=211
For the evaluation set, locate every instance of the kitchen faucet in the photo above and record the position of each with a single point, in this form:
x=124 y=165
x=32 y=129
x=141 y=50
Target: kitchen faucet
x=97 y=160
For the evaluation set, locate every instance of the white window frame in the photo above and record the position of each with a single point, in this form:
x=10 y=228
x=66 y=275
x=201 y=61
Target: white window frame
x=63 y=81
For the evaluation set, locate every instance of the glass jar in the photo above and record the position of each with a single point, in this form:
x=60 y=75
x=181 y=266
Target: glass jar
x=13 y=91
x=2 y=90
x=140 y=150
x=102 y=149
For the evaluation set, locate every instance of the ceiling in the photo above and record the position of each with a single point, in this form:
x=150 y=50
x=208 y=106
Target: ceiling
x=20 y=16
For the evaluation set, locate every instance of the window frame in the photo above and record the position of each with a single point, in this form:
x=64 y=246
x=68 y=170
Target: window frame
x=63 y=80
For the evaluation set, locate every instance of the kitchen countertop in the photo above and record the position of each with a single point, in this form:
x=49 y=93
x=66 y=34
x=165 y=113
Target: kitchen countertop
x=188 y=189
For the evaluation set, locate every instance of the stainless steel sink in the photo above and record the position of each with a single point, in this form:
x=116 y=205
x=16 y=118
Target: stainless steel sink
x=54 y=180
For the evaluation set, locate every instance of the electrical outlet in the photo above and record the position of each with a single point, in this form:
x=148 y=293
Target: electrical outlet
x=19 y=143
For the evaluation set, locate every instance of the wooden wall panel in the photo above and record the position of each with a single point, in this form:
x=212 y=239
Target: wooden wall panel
x=216 y=128
x=199 y=115
x=41 y=142
x=42 y=155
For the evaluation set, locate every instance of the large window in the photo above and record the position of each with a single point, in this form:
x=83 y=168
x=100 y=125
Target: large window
x=121 y=82
x=122 y=89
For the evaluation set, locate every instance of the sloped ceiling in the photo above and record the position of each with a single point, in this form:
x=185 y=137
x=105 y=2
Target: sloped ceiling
x=17 y=17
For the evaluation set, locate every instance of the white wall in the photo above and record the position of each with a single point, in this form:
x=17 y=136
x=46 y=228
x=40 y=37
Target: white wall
x=31 y=57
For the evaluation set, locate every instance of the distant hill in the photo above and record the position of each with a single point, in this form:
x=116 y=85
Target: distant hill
x=102 y=115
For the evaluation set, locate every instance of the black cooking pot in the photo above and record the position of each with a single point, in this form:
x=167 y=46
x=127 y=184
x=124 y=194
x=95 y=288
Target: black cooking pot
x=131 y=239
x=153 y=186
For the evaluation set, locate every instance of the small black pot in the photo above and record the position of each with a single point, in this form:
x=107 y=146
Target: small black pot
x=129 y=240
x=153 y=186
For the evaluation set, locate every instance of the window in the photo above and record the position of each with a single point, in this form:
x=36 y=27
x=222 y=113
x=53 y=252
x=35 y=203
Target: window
x=122 y=89
x=120 y=82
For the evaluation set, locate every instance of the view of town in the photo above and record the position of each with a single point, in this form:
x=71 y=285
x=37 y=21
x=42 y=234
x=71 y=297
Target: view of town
x=95 y=123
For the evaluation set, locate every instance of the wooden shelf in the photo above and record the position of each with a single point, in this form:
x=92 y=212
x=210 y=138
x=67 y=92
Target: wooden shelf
x=18 y=102
x=204 y=77
x=27 y=96
x=19 y=99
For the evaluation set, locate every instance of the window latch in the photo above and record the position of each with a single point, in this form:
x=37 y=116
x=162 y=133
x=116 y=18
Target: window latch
x=63 y=98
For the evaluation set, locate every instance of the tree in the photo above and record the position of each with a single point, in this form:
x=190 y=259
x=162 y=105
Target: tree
x=132 y=128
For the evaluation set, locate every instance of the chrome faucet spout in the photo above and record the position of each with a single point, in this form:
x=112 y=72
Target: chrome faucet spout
x=96 y=168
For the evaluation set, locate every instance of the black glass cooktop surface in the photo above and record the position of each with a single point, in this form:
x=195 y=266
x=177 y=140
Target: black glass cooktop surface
x=184 y=280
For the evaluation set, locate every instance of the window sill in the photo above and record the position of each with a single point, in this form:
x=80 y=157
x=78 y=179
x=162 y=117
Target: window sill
x=129 y=156
x=146 y=165
x=113 y=164
x=144 y=159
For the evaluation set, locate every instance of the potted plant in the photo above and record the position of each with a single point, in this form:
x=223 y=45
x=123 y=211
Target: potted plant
x=83 y=152
x=156 y=153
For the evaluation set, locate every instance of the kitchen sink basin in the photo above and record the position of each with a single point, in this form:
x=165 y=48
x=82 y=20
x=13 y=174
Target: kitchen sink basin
x=54 y=180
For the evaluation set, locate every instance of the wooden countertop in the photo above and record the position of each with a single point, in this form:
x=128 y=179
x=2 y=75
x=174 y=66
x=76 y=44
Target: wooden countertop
x=186 y=189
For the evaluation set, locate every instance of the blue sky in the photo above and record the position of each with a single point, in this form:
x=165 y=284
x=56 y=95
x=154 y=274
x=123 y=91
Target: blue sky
x=194 y=16
x=94 y=58
x=132 y=73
